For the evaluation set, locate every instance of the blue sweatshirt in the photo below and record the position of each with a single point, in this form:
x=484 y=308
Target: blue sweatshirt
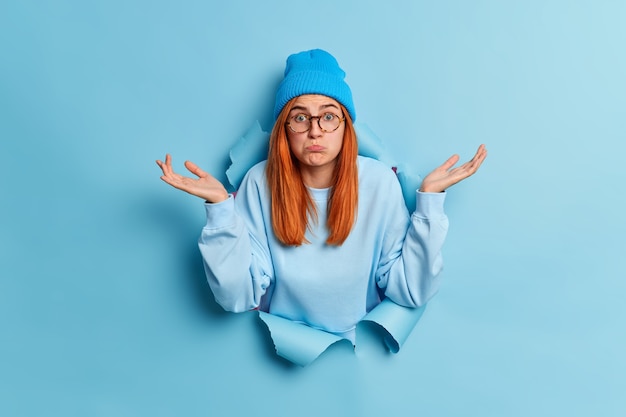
x=387 y=254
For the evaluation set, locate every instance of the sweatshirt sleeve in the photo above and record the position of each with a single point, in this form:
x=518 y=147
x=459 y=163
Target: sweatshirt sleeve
x=412 y=262
x=234 y=250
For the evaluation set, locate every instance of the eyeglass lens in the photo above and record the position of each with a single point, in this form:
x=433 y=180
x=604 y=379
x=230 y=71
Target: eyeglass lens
x=328 y=122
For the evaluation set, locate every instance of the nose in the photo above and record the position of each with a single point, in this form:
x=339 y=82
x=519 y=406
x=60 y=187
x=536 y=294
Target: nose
x=315 y=131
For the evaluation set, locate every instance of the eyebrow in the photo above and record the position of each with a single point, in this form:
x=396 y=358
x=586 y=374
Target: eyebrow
x=323 y=106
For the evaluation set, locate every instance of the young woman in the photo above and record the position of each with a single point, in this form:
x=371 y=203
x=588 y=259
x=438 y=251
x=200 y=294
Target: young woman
x=318 y=234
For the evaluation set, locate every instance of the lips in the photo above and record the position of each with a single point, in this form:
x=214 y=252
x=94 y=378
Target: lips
x=314 y=148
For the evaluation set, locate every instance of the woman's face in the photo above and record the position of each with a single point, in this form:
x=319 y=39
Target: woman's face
x=315 y=148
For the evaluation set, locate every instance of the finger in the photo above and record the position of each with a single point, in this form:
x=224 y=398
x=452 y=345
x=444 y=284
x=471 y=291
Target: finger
x=480 y=156
x=170 y=180
x=166 y=166
x=159 y=162
x=470 y=167
x=195 y=169
x=168 y=160
x=481 y=153
x=165 y=179
x=478 y=153
x=166 y=171
x=450 y=162
x=178 y=181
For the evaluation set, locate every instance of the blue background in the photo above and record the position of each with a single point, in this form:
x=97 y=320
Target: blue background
x=104 y=309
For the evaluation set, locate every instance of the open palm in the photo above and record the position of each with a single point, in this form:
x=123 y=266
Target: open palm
x=446 y=176
x=205 y=186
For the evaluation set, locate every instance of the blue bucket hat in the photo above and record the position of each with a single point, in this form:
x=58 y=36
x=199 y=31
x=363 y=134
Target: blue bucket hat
x=313 y=72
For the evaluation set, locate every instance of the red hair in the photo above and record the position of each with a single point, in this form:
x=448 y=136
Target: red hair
x=292 y=206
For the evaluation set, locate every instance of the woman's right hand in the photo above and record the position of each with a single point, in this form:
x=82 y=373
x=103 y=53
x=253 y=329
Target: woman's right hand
x=205 y=186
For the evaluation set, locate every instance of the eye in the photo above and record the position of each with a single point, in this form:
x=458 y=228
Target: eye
x=328 y=117
x=300 y=118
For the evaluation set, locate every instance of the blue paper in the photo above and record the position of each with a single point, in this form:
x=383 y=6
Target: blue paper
x=302 y=344
x=249 y=150
x=398 y=321
x=371 y=146
x=298 y=342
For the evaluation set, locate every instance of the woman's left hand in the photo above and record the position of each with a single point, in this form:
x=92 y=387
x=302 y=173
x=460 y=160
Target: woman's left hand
x=446 y=176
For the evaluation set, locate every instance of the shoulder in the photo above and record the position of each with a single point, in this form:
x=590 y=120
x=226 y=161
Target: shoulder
x=256 y=173
x=380 y=193
x=376 y=177
x=258 y=169
x=254 y=179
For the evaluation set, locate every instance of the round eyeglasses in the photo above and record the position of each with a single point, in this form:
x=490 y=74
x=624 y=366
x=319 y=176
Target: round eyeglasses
x=328 y=122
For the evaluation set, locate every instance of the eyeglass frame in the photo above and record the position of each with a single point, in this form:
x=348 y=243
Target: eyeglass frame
x=309 y=118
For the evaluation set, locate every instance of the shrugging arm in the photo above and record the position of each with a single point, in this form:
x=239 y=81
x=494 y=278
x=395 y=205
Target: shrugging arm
x=411 y=261
x=233 y=244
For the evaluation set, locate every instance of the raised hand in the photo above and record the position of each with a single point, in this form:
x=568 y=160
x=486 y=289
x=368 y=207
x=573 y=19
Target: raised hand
x=205 y=186
x=446 y=176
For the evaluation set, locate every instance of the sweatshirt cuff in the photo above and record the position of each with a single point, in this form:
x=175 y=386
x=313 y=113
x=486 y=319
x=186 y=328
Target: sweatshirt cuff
x=220 y=214
x=430 y=205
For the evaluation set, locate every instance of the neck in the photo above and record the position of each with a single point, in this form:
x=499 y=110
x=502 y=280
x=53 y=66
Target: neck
x=318 y=177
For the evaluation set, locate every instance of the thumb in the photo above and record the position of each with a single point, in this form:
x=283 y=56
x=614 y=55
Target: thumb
x=195 y=169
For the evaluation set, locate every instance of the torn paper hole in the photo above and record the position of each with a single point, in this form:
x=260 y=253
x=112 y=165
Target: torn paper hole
x=301 y=344
x=298 y=342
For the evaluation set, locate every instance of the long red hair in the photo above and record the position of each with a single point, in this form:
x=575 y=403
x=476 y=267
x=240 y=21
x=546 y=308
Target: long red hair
x=292 y=206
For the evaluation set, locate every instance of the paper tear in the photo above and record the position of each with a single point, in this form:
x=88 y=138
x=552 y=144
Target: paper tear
x=297 y=342
x=397 y=321
x=249 y=150
x=371 y=146
x=301 y=344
